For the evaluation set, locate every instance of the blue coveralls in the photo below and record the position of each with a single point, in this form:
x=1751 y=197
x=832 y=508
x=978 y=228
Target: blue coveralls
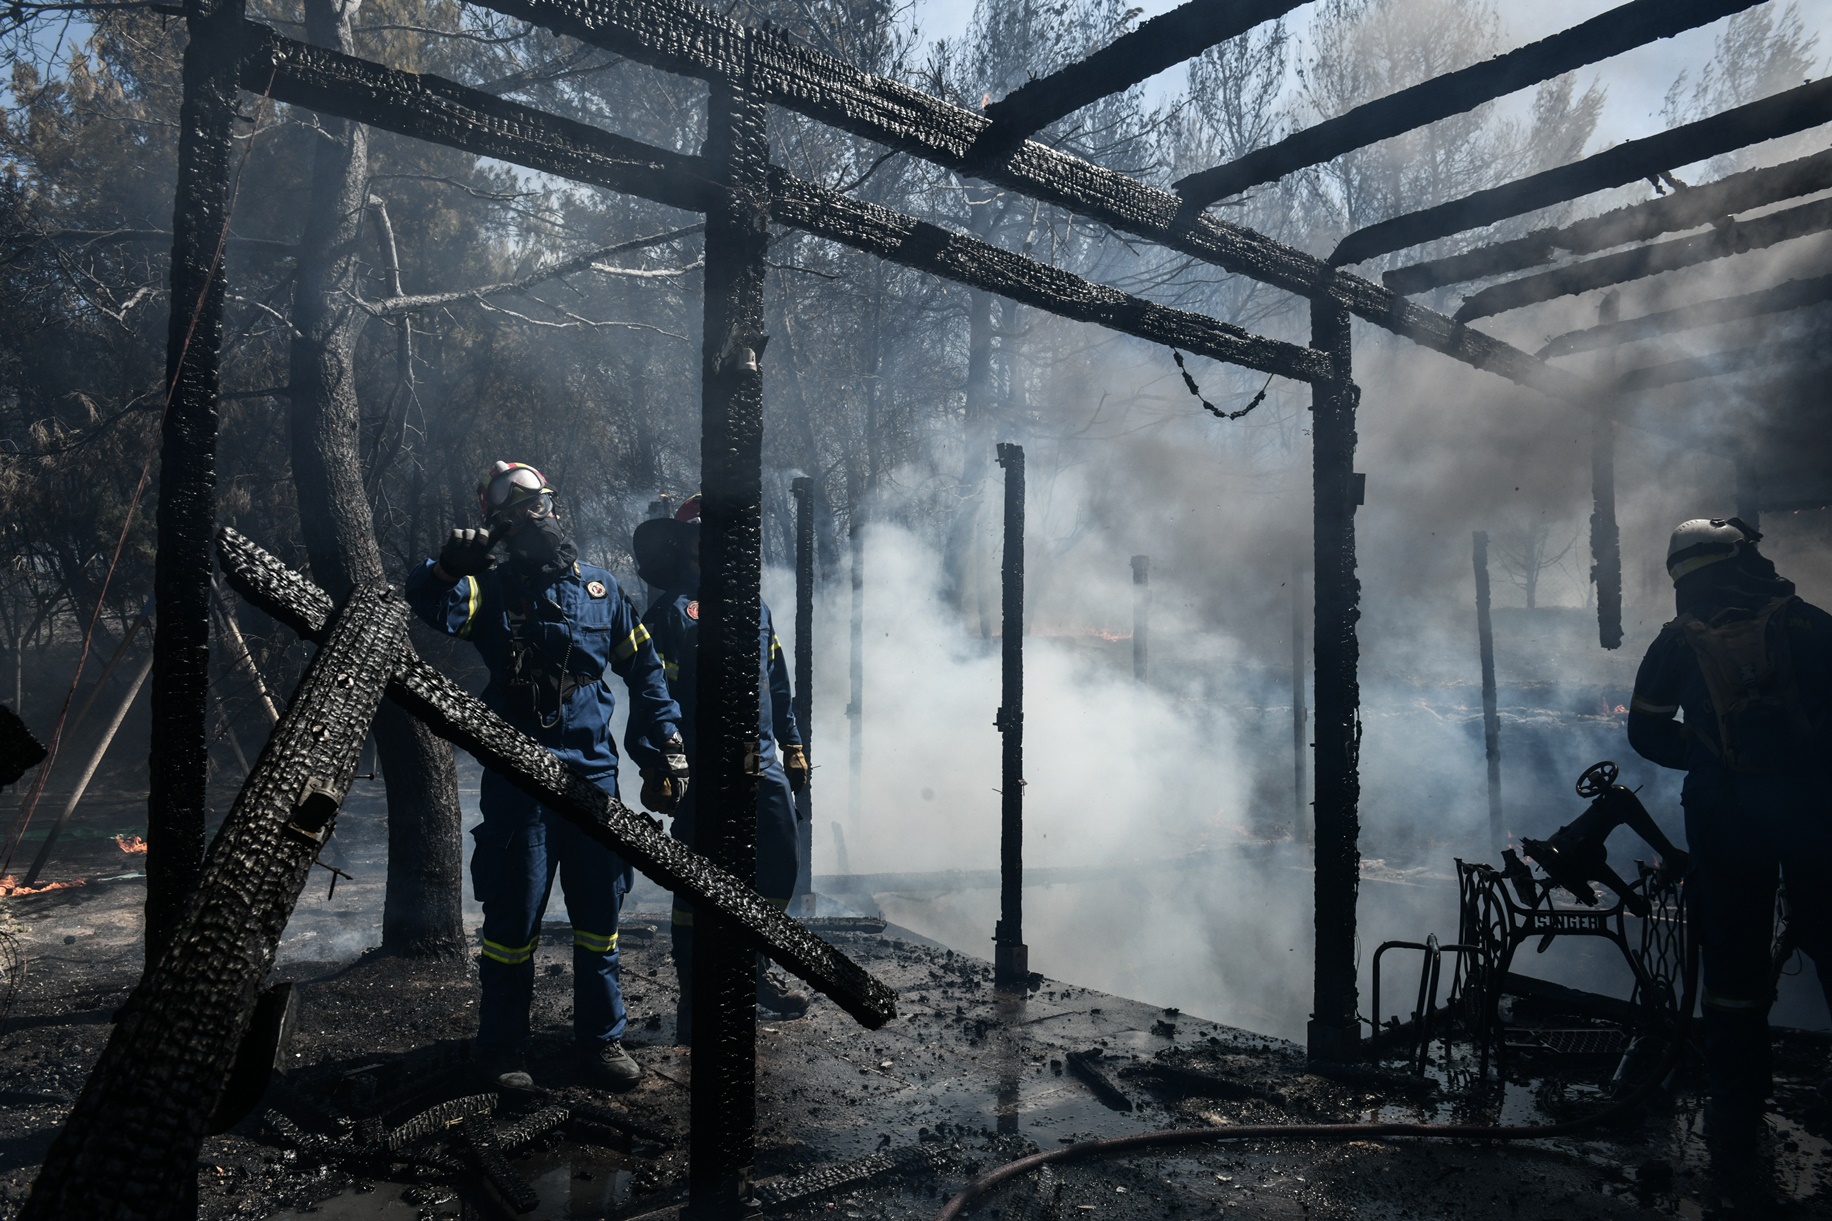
x=548 y=649
x=1743 y=829
x=674 y=625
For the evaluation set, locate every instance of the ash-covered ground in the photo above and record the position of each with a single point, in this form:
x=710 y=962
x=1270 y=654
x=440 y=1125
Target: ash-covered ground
x=962 y=1081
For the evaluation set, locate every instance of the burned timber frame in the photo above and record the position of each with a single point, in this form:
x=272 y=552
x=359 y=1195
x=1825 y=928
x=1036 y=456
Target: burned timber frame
x=750 y=69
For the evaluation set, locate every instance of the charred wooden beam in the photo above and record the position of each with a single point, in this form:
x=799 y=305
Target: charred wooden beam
x=1164 y=41
x=1783 y=114
x=186 y=508
x=431 y=108
x=1685 y=208
x=722 y=1151
x=1011 y=957
x=1693 y=368
x=461 y=719
x=130 y=1146
x=1729 y=238
x=1605 y=533
x=802 y=488
x=1611 y=33
x=684 y=37
x=965 y=259
x=1334 y=1030
x=444 y=112
x=1790 y=295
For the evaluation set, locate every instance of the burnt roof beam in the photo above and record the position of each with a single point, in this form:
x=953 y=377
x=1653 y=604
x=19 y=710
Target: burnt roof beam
x=444 y=112
x=1781 y=114
x=680 y=36
x=1720 y=242
x=1686 y=208
x=1163 y=42
x=1779 y=299
x=1611 y=33
x=1692 y=368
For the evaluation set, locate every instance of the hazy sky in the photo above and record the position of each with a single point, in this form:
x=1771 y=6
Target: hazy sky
x=1637 y=81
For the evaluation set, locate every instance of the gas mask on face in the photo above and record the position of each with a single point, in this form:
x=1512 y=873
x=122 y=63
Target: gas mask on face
x=539 y=546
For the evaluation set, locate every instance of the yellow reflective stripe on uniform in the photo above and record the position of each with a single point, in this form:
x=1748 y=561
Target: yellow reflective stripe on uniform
x=510 y=955
x=473 y=596
x=682 y=916
x=1639 y=704
x=775 y=645
x=781 y=905
x=635 y=640
x=1716 y=1000
x=597 y=943
x=670 y=671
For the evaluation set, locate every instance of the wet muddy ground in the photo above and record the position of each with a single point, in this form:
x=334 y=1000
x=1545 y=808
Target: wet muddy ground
x=963 y=1081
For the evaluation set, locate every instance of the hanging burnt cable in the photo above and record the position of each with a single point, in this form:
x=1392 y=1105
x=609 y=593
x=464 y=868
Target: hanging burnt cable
x=1212 y=409
x=1088 y=1150
x=30 y=806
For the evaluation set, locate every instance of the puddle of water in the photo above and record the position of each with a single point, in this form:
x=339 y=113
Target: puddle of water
x=573 y=1183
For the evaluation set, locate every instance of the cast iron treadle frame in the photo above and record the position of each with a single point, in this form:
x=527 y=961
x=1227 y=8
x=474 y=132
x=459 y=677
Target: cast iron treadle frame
x=130 y=1145
x=1491 y=918
x=462 y=719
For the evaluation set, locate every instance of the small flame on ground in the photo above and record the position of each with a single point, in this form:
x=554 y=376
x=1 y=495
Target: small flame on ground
x=131 y=844
x=9 y=886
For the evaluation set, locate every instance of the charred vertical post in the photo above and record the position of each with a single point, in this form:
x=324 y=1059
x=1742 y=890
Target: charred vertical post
x=855 y=676
x=803 y=488
x=1605 y=536
x=1141 y=614
x=130 y=1146
x=1491 y=717
x=1749 y=487
x=1300 y=825
x=1011 y=957
x=724 y=1094
x=186 y=511
x=1333 y=1033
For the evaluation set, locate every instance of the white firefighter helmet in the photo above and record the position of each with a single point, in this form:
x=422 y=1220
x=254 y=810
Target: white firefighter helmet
x=1704 y=541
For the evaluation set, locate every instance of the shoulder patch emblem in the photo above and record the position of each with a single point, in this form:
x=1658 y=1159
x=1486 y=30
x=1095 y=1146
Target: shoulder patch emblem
x=595 y=588
x=693 y=609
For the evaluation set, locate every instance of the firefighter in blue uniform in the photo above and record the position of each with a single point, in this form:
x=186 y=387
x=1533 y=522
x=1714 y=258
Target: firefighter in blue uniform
x=667 y=552
x=1750 y=665
x=551 y=631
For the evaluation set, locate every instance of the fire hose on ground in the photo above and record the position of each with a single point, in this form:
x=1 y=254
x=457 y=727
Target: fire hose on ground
x=1176 y=1137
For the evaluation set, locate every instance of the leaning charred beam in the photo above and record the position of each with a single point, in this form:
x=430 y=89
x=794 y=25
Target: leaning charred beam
x=1791 y=295
x=1731 y=237
x=688 y=38
x=1611 y=33
x=129 y=1148
x=1783 y=114
x=1686 y=208
x=1162 y=42
x=462 y=719
x=968 y=260
x=440 y=111
x=1693 y=368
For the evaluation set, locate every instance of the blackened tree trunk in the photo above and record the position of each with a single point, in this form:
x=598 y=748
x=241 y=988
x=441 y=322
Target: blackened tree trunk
x=423 y=911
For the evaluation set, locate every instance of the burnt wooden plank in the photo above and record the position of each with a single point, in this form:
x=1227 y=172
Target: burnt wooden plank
x=1692 y=368
x=462 y=719
x=444 y=112
x=966 y=259
x=1165 y=40
x=1783 y=114
x=1611 y=33
x=1721 y=242
x=1788 y=295
x=688 y=38
x=1685 y=208
x=130 y=1146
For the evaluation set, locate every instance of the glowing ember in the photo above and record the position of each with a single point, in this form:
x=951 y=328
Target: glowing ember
x=9 y=886
x=131 y=843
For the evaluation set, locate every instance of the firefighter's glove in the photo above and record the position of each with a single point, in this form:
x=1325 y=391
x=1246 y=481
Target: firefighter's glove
x=795 y=763
x=664 y=783
x=466 y=554
x=1675 y=866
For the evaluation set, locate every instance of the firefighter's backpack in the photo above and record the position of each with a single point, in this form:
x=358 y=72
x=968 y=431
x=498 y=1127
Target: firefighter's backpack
x=1748 y=667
